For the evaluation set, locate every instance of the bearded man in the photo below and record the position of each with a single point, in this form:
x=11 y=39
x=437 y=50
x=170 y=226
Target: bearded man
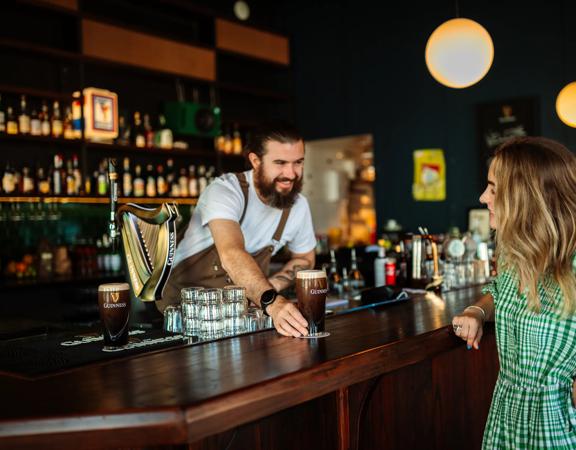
x=242 y=220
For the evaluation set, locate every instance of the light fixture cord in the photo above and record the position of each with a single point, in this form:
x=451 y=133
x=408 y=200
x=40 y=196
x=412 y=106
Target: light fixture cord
x=457 y=9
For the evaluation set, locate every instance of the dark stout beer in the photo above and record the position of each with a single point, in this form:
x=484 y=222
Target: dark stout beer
x=114 y=306
x=311 y=290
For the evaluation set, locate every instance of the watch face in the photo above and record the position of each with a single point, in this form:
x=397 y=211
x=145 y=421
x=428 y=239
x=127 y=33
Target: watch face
x=268 y=297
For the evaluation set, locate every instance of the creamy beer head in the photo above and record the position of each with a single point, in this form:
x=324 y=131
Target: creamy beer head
x=310 y=274
x=113 y=287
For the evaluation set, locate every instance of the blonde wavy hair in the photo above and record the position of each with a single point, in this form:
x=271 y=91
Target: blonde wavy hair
x=535 y=209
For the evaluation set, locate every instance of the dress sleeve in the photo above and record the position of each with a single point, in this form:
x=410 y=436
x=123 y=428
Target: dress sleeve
x=491 y=288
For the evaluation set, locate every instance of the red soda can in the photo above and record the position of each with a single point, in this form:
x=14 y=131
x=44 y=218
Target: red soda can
x=390 y=271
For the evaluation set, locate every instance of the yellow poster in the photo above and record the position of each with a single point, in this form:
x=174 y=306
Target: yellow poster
x=429 y=175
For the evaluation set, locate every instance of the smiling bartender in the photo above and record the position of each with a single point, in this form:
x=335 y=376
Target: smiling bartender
x=242 y=219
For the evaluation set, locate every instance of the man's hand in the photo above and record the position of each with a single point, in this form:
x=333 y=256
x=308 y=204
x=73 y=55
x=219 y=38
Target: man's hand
x=287 y=319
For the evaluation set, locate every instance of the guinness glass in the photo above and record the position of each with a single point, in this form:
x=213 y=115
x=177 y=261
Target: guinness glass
x=311 y=290
x=114 y=306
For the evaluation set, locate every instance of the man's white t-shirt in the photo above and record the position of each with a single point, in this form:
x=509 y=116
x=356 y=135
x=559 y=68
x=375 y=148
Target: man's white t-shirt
x=223 y=199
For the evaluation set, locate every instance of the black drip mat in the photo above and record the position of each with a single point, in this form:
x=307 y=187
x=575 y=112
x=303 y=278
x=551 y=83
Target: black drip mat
x=42 y=355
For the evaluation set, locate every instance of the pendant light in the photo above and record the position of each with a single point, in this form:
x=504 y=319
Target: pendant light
x=566 y=104
x=459 y=53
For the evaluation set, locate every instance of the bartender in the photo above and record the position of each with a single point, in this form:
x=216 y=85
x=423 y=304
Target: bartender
x=242 y=220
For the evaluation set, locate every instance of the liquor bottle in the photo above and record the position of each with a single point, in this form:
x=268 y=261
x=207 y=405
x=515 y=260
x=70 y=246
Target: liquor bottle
x=43 y=182
x=163 y=137
x=150 y=181
x=35 y=124
x=56 y=121
x=123 y=132
x=57 y=176
x=2 y=117
x=202 y=180
x=102 y=184
x=70 y=180
x=8 y=183
x=236 y=141
x=356 y=278
x=183 y=183
x=334 y=278
x=138 y=137
x=77 y=175
x=76 y=116
x=11 y=123
x=23 y=118
x=192 y=182
x=17 y=180
x=210 y=174
x=127 y=179
x=161 y=185
x=379 y=267
x=148 y=132
x=27 y=181
x=139 y=183
x=67 y=125
x=44 y=120
x=219 y=142
x=228 y=146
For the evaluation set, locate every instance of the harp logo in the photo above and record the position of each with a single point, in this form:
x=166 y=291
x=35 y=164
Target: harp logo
x=115 y=296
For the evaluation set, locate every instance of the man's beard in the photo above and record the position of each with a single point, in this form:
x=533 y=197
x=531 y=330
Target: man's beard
x=268 y=192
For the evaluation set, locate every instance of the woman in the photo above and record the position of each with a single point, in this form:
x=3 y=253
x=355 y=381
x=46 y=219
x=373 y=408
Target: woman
x=531 y=196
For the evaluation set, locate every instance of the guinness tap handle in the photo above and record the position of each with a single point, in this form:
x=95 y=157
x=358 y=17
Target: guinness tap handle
x=112 y=225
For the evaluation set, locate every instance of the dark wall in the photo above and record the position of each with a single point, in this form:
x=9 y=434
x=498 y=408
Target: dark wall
x=359 y=68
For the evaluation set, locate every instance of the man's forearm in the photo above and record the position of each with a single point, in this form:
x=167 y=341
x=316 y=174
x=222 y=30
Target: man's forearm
x=244 y=271
x=285 y=277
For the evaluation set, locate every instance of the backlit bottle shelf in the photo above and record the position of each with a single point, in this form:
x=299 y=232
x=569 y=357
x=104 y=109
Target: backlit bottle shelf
x=97 y=200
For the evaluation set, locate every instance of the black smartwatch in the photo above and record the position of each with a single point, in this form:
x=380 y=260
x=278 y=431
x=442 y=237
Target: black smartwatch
x=267 y=298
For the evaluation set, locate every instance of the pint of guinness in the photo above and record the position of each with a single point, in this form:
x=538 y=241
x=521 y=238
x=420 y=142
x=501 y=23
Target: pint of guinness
x=311 y=291
x=114 y=306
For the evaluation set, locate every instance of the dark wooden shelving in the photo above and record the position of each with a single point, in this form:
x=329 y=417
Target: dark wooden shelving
x=243 y=56
x=266 y=93
x=39 y=139
x=152 y=151
x=40 y=50
x=40 y=93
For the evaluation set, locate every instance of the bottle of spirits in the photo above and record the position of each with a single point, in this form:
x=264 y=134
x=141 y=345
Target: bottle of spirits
x=43 y=182
x=35 y=123
x=192 y=182
x=76 y=116
x=2 y=117
x=183 y=183
x=102 y=179
x=44 y=120
x=150 y=181
x=24 y=117
x=334 y=278
x=228 y=145
x=57 y=176
x=219 y=142
x=202 y=180
x=27 y=183
x=163 y=137
x=77 y=175
x=70 y=180
x=127 y=179
x=356 y=279
x=8 y=182
x=11 y=123
x=67 y=125
x=138 y=135
x=380 y=267
x=148 y=132
x=139 y=183
x=123 y=131
x=56 y=121
x=236 y=141
x=161 y=184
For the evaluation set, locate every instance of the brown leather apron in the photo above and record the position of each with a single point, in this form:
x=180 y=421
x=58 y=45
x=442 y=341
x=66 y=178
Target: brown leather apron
x=205 y=269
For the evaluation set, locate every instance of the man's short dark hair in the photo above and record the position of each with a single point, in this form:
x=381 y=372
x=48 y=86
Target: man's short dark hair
x=278 y=131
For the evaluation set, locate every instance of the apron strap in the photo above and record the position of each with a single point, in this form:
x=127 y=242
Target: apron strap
x=244 y=186
x=281 y=225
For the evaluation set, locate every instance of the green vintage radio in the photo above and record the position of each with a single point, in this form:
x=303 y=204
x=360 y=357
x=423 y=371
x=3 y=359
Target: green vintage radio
x=192 y=118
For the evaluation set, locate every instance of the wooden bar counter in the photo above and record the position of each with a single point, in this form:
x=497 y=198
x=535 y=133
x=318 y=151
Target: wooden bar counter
x=393 y=377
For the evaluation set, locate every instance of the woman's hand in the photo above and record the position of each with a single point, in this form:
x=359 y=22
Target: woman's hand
x=468 y=326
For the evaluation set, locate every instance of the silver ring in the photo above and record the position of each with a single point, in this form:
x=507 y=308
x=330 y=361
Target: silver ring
x=456 y=328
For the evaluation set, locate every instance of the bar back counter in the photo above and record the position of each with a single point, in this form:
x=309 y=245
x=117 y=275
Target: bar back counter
x=392 y=377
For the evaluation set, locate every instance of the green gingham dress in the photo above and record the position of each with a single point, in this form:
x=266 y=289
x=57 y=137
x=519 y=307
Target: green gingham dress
x=532 y=403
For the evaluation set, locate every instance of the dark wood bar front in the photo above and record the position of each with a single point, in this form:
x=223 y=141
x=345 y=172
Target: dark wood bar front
x=389 y=377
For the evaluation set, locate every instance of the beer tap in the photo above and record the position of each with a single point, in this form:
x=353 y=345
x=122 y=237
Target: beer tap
x=112 y=225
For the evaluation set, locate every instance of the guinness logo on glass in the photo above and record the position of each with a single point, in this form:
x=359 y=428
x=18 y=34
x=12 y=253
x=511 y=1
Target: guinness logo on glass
x=115 y=296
